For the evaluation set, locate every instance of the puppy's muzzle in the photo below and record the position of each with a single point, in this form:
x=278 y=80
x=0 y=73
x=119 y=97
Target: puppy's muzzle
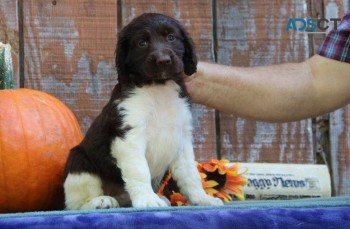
x=163 y=64
x=162 y=59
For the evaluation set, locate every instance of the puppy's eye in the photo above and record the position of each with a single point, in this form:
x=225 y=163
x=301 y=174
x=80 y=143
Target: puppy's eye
x=170 y=37
x=142 y=44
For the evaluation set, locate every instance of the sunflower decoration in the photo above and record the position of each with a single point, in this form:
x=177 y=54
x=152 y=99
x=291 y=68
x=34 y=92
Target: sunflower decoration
x=219 y=179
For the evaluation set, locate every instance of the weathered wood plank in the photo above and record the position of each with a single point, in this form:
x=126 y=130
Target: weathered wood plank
x=69 y=52
x=9 y=33
x=335 y=8
x=196 y=16
x=320 y=125
x=340 y=150
x=316 y=10
x=252 y=33
x=339 y=123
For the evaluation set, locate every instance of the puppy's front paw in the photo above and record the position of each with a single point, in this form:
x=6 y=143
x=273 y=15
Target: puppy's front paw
x=206 y=201
x=103 y=202
x=149 y=200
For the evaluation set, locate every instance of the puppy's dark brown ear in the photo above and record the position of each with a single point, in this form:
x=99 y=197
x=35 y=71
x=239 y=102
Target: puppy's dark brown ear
x=189 y=57
x=120 y=56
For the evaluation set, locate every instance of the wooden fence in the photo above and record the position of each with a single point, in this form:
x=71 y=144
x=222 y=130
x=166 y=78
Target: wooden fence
x=66 y=48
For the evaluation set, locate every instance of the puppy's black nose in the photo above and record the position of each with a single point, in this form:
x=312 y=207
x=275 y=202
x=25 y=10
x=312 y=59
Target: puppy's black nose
x=163 y=60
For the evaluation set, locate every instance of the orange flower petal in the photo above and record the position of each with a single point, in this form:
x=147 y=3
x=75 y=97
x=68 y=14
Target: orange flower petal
x=234 y=182
x=237 y=191
x=240 y=195
x=211 y=191
x=203 y=175
x=209 y=167
x=210 y=184
x=222 y=170
x=223 y=196
x=178 y=199
x=235 y=167
x=164 y=184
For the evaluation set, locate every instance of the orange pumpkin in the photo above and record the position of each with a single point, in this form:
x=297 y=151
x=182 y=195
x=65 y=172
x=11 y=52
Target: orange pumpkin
x=36 y=134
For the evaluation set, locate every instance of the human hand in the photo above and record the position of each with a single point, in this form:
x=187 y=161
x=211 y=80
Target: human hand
x=190 y=80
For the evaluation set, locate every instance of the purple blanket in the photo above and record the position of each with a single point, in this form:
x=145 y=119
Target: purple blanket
x=309 y=213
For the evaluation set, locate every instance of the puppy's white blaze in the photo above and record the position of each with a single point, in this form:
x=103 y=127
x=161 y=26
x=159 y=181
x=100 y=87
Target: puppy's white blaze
x=80 y=189
x=160 y=122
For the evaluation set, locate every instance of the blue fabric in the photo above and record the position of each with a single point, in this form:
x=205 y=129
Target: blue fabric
x=312 y=213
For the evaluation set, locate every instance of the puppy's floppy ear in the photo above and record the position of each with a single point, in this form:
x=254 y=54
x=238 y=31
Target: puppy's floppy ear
x=189 y=57
x=120 y=56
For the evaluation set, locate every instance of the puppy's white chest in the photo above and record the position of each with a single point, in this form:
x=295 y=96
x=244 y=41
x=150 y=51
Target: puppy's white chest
x=166 y=121
x=167 y=117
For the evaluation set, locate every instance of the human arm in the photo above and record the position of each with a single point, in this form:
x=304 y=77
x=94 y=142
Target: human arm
x=276 y=93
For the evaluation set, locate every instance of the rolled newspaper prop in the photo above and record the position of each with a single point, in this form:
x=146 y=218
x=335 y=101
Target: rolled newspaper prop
x=6 y=69
x=285 y=181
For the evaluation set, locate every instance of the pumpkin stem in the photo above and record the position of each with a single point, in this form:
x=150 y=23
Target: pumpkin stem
x=6 y=71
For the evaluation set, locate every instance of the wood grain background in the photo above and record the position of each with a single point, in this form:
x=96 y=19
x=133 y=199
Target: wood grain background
x=252 y=33
x=339 y=122
x=66 y=48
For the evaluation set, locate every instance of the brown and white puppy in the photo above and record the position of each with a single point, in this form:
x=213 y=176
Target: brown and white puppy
x=146 y=127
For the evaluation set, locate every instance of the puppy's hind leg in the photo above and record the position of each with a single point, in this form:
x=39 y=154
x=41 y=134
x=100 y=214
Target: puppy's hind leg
x=84 y=191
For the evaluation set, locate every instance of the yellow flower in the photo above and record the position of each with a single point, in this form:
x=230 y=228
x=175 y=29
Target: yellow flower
x=227 y=179
x=209 y=185
x=218 y=180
